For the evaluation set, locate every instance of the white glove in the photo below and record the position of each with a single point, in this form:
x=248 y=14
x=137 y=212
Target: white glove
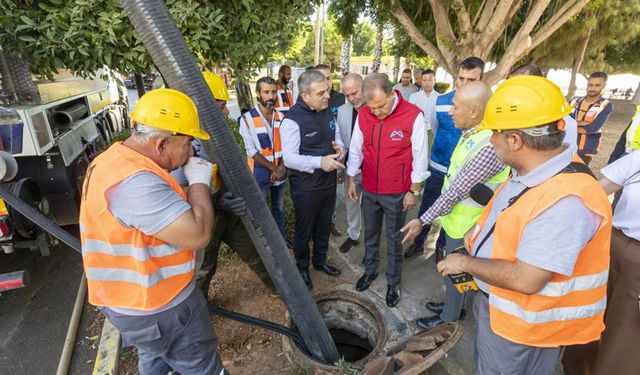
x=198 y=171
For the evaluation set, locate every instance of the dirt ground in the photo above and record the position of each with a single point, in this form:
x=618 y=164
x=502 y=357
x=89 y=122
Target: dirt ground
x=247 y=350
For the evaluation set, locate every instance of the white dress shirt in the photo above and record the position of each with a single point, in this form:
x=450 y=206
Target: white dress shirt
x=419 y=148
x=290 y=136
x=427 y=103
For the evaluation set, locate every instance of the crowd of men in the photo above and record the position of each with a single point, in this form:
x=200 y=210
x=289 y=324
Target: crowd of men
x=556 y=272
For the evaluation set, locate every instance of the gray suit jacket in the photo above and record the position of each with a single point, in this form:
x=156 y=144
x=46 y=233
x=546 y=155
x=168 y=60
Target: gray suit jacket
x=344 y=118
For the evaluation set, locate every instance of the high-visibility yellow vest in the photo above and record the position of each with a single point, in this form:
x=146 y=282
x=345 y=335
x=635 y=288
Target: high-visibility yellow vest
x=465 y=213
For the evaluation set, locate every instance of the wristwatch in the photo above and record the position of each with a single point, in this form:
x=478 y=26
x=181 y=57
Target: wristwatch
x=415 y=193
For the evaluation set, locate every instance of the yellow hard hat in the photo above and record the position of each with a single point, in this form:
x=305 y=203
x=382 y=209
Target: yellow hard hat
x=170 y=110
x=217 y=86
x=524 y=102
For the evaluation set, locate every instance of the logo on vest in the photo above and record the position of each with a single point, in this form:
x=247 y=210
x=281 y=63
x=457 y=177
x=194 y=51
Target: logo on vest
x=309 y=135
x=397 y=135
x=332 y=124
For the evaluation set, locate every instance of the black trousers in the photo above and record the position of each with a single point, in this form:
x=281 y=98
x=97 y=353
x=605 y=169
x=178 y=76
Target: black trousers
x=313 y=210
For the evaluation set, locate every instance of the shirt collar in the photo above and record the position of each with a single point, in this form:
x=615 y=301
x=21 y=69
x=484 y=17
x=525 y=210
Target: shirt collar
x=545 y=170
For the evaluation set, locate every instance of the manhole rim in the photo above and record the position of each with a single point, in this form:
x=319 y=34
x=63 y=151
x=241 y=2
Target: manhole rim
x=295 y=355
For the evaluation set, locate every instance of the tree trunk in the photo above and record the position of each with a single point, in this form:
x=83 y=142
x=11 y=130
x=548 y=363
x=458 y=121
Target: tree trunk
x=345 y=56
x=577 y=62
x=377 y=54
x=318 y=56
x=636 y=96
x=139 y=84
x=396 y=68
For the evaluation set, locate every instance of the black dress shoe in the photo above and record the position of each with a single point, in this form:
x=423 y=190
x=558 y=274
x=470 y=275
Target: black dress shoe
x=335 y=231
x=348 y=244
x=327 y=268
x=365 y=281
x=307 y=279
x=393 y=295
x=429 y=323
x=435 y=307
x=412 y=250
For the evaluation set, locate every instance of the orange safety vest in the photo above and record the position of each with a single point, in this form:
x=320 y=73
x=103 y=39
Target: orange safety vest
x=568 y=310
x=284 y=99
x=126 y=268
x=260 y=134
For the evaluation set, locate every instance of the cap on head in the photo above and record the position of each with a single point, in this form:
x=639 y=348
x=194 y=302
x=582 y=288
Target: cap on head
x=525 y=102
x=217 y=86
x=169 y=110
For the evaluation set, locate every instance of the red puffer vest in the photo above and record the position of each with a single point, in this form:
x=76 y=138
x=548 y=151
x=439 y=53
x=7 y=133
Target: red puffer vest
x=387 y=156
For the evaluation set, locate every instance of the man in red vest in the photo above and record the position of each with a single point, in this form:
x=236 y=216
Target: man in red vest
x=389 y=141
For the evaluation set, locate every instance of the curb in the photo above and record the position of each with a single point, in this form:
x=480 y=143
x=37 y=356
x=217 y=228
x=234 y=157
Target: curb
x=109 y=351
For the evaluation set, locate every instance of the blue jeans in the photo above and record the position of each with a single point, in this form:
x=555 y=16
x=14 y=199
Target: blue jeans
x=277 y=205
x=432 y=190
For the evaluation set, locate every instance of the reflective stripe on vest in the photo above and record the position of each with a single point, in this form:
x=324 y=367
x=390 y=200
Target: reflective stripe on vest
x=633 y=133
x=259 y=130
x=465 y=213
x=590 y=114
x=550 y=315
x=146 y=281
x=569 y=309
x=284 y=99
x=126 y=268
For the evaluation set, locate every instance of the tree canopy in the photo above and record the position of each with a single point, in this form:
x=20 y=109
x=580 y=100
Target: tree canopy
x=501 y=31
x=82 y=35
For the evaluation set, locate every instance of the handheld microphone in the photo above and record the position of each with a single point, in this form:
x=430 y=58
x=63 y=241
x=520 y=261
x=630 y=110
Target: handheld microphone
x=481 y=194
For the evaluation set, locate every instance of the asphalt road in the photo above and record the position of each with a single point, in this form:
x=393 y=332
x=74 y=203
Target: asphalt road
x=34 y=320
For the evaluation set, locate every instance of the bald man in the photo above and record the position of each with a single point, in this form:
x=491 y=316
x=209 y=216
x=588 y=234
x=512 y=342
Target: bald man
x=347 y=115
x=473 y=161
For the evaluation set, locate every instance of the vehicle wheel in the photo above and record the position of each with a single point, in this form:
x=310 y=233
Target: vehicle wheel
x=103 y=129
x=28 y=191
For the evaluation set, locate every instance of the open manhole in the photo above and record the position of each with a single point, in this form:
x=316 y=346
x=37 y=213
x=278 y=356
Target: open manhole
x=355 y=324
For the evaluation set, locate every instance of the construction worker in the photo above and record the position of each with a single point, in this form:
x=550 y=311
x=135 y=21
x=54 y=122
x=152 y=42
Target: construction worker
x=140 y=232
x=591 y=112
x=540 y=250
x=311 y=150
x=446 y=138
x=347 y=115
x=425 y=99
x=405 y=87
x=474 y=161
x=618 y=350
x=284 y=100
x=393 y=160
x=260 y=130
x=228 y=227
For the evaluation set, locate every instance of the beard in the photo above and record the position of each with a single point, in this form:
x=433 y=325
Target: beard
x=269 y=104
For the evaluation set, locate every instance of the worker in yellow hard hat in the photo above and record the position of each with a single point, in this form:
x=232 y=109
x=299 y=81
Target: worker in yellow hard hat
x=540 y=250
x=140 y=231
x=228 y=227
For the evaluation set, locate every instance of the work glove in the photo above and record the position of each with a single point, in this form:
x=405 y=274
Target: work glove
x=198 y=171
x=235 y=205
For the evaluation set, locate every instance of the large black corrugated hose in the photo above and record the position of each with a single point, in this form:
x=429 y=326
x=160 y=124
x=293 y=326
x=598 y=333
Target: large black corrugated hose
x=169 y=52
